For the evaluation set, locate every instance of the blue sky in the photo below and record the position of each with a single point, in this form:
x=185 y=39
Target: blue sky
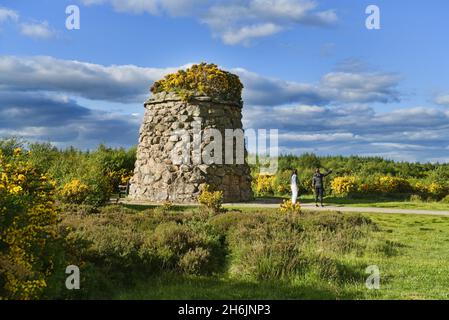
x=310 y=68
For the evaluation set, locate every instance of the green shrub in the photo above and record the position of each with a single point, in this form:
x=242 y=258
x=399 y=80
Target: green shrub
x=174 y=244
x=100 y=189
x=226 y=222
x=263 y=253
x=195 y=261
x=255 y=246
x=116 y=165
x=416 y=198
x=267 y=248
x=166 y=207
x=78 y=209
x=108 y=248
x=120 y=240
x=445 y=199
x=115 y=209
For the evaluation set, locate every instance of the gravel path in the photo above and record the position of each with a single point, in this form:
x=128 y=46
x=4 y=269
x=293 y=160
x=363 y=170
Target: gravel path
x=310 y=206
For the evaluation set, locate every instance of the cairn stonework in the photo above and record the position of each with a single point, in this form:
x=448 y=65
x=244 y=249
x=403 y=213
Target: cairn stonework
x=159 y=178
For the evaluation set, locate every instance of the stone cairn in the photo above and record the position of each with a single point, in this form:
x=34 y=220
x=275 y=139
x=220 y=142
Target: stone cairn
x=157 y=178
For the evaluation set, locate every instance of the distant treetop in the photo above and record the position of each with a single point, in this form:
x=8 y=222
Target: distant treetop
x=202 y=80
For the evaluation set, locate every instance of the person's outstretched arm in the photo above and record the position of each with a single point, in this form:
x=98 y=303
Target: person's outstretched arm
x=328 y=173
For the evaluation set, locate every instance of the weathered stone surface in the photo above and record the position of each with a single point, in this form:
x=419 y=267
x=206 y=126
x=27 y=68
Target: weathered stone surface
x=158 y=178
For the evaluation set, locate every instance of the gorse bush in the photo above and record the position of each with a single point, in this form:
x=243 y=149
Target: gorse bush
x=287 y=206
x=202 y=79
x=264 y=185
x=29 y=241
x=119 y=177
x=389 y=184
x=74 y=192
x=212 y=200
x=344 y=186
x=438 y=191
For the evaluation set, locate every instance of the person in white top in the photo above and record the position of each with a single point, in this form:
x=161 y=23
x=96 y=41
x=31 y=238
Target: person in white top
x=294 y=185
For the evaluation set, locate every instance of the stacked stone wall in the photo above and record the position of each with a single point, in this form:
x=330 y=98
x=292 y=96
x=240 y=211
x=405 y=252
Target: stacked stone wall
x=160 y=176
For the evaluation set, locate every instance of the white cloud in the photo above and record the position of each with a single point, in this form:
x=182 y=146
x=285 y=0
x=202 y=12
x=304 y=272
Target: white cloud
x=403 y=146
x=442 y=100
x=8 y=14
x=408 y=124
x=133 y=6
x=124 y=83
x=355 y=87
x=362 y=86
x=32 y=29
x=403 y=134
x=172 y=7
x=327 y=137
x=130 y=83
x=234 y=21
x=247 y=33
x=64 y=122
x=256 y=18
x=37 y=30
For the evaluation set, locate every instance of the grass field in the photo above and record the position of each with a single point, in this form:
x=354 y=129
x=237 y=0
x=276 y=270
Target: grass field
x=412 y=253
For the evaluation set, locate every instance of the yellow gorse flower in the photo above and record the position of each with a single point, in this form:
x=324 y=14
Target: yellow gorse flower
x=342 y=186
x=17 y=151
x=15 y=190
x=74 y=192
x=264 y=184
x=24 y=237
x=288 y=207
x=202 y=79
x=211 y=199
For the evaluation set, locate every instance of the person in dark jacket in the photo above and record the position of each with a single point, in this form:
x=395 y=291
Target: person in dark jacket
x=318 y=185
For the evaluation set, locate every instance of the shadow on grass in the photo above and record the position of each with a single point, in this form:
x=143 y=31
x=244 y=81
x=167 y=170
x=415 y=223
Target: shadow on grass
x=212 y=288
x=336 y=200
x=139 y=207
x=348 y=200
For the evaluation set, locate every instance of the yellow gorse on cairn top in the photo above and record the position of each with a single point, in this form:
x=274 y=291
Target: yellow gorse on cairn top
x=203 y=80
